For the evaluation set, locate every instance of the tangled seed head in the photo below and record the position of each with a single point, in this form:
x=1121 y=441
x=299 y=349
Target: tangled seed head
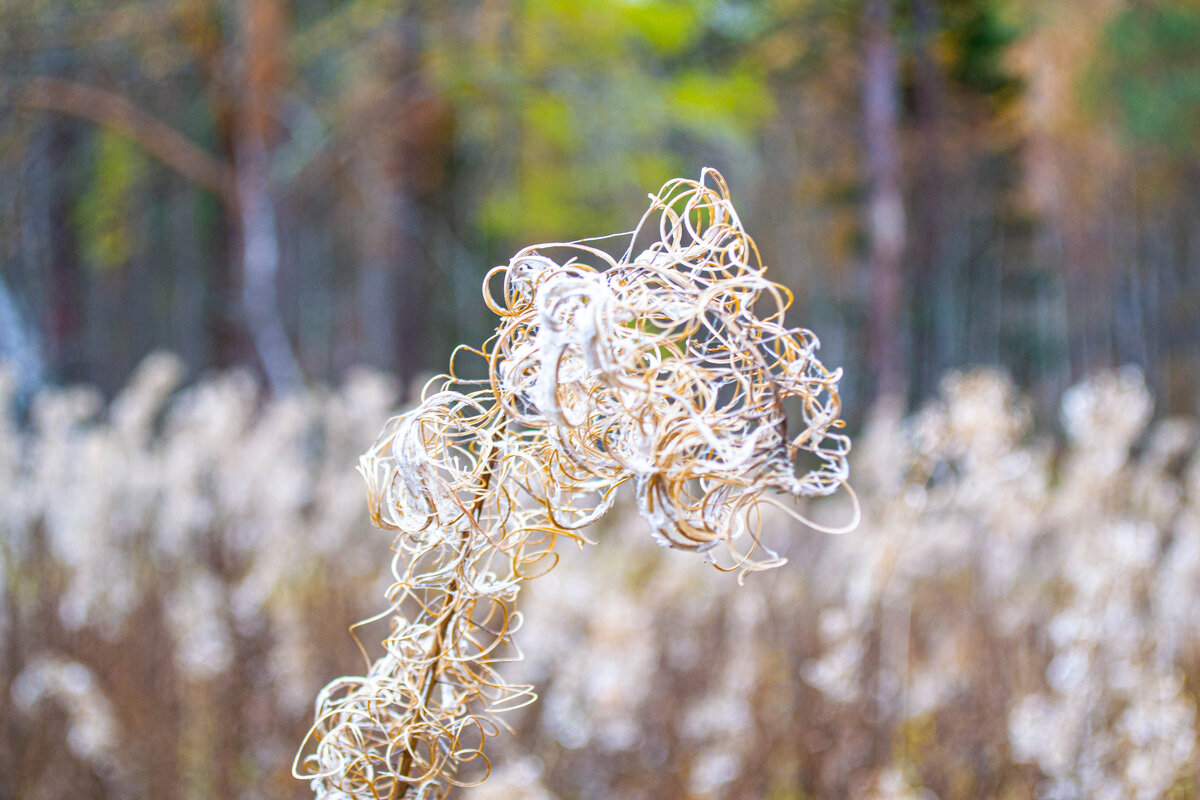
x=672 y=370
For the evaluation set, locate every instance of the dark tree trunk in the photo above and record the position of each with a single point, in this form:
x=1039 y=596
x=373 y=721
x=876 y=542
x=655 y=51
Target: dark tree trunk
x=199 y=27
x=64 y=278
x=405 y=161
x=929 y=204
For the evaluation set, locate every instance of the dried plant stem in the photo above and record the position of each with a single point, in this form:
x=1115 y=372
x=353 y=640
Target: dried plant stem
x=406 y=761
x=666 y=371
x=443 y=630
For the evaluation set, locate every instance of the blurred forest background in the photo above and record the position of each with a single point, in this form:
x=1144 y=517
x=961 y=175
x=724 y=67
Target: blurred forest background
x=989 y=209
x=306 y=186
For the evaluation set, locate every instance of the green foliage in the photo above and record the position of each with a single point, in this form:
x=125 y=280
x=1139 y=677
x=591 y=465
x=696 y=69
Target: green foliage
x=1147 y=75
x=720 y=106
x=977 y=35
x=667 y=26
x=104 y=213
x=595 y=102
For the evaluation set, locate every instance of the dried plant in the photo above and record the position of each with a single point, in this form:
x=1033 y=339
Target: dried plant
x=1016 y=617
x=157 y=637
x=669 y=371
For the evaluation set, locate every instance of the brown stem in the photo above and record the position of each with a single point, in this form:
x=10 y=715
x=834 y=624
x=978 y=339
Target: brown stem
x=406 y=761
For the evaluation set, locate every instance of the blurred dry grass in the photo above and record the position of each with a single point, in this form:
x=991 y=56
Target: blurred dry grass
x=1017 y=616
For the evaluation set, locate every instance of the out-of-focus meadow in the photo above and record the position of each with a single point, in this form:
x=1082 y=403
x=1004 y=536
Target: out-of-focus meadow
x=1014 y=618
x=989 y=211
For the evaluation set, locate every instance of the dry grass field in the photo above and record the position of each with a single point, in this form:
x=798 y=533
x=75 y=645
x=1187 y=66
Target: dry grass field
x=1017 y=616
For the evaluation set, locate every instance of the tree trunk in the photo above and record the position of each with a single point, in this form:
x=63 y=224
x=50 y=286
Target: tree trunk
x=929 y=205
x=885 y=208
x=64 y=278
x=405 y=160
x=377 y=280
x=262 y=41
x=260 y=271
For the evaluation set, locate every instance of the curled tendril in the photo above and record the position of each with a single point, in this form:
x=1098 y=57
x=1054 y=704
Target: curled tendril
x=669 y=371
